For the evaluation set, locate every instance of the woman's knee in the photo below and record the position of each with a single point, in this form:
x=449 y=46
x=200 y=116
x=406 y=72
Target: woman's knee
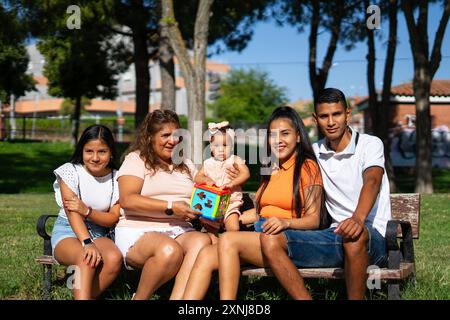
x=170 y=253
x=271 y=243
x=227 y=241
x=112 y=260
x=197 y=241
x=207 y=257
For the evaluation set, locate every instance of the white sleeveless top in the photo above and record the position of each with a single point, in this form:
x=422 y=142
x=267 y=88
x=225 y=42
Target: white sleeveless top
x=100 y=193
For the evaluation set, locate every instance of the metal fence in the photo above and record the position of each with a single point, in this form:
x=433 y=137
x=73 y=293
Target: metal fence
x=57 y=128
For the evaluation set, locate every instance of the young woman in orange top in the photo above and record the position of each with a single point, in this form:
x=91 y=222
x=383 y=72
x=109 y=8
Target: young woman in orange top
x=291 y=197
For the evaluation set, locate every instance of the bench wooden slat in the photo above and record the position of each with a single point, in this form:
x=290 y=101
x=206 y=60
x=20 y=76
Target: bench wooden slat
x=406 y=207
x=46 y=260
x=337 y=273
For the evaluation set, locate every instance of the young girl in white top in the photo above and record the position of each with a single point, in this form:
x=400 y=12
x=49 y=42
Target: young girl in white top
x=213 y=171
x=86 y=191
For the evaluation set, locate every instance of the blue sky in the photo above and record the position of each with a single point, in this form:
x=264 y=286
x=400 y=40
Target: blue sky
x=283 y=53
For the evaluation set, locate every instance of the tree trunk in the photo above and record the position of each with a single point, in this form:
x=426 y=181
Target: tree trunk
x=141 y=59
x=76 y=121
x=193 y=73
x=386 y=111
x=424 y=70
x=12 y=117
x=373 y=101
x=422 y=86
x=167 y=70
x=313 y=35
x=319 y=76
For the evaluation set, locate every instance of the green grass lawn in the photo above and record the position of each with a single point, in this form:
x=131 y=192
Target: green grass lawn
x=26 y=177
x=21 y=277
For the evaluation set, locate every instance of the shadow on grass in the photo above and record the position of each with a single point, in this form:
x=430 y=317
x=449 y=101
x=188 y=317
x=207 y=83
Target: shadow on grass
x=22 y=173
x=28 y=167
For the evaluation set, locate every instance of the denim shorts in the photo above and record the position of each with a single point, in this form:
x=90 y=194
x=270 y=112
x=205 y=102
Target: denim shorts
x=62 y=229
x=323 y=248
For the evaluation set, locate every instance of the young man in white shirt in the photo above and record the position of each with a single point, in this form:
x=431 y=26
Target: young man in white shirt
x=357 y=199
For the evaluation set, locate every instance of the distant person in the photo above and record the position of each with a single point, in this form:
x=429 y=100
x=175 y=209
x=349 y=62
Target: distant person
x=155 y=234
x=87 y=193
x=357 y=198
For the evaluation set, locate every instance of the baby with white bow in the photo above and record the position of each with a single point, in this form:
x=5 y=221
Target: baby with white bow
x=213 y=171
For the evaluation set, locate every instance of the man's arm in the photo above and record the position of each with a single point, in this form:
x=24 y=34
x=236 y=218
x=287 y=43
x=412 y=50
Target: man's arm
x=352 y=227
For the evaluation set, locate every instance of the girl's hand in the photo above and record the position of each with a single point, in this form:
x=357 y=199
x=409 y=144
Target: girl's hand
x=275 y=225
x=92 y=256
x=76 y=205
x=183 y=210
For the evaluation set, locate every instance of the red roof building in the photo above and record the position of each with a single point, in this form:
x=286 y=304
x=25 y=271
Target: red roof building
x=404 y=108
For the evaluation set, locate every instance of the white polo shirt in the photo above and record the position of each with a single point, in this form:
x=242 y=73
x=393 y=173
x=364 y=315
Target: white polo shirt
x=342 y=174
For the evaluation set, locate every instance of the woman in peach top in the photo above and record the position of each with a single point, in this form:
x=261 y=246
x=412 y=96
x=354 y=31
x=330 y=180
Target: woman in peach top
x=290 y=198
x=155 y=233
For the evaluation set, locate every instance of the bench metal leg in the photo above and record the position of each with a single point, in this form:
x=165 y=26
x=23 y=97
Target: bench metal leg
x=47 y=288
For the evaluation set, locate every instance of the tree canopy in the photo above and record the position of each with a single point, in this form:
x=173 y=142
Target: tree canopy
x=248 y=96
x=13 y=56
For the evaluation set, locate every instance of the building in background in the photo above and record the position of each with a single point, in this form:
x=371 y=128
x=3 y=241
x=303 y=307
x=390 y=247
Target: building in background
x=403 y=104
x=42 y=104
x=402 y=125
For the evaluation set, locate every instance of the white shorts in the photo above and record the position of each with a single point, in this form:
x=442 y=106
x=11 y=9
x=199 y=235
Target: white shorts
x=126 y=237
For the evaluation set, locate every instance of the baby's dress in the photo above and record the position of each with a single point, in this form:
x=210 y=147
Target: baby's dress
x=215 y=170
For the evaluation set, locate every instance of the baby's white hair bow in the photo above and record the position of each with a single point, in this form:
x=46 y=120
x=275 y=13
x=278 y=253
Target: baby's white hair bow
x=215 y=127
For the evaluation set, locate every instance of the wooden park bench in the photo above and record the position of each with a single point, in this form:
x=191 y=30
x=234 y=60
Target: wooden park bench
x=404 y=226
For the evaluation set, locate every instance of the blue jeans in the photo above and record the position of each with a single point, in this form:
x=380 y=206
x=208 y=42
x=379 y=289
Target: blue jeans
x=62 y=230
x=323 y=248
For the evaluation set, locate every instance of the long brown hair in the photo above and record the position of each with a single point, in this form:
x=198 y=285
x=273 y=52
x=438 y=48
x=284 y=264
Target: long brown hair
x=151 y=125
x=304 y=152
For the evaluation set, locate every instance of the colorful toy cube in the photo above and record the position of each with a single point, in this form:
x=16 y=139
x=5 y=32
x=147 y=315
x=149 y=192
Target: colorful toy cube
x=211 y=201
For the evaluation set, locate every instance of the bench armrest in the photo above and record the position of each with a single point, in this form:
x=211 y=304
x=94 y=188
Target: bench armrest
x=406 y=246
x=40 y=225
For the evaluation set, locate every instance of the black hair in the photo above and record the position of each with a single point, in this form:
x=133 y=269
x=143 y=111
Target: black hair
x=304 y=152
x=332 y=95
x=95 y=132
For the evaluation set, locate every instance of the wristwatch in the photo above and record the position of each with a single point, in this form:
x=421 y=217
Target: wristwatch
x=86 y=242
x=169 y=210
